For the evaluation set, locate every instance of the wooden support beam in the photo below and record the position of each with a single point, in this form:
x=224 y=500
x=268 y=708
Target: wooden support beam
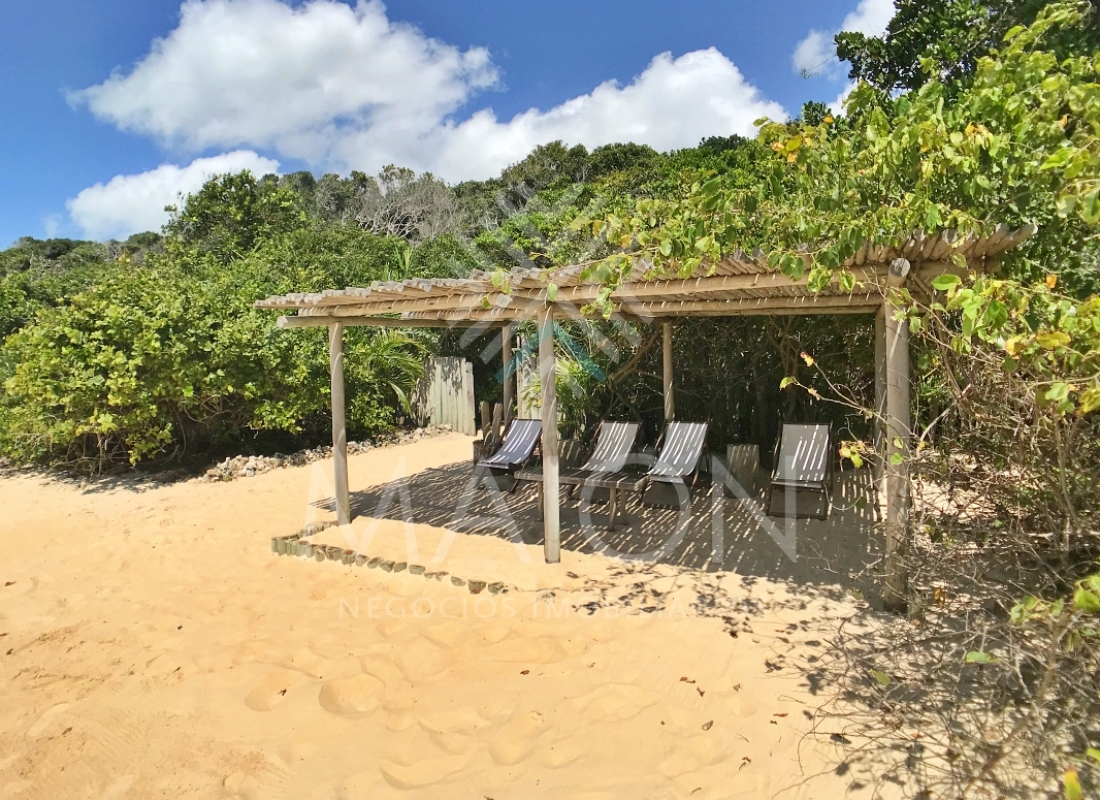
x=897 y=450
x=380 y=322
x=880 y=393
x=667 y=372
x=339 y=425
x=509 y=373
x=551 y=525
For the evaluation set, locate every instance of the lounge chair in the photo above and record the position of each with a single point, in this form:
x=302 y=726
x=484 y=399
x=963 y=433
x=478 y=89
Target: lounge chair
x=802 y=480
x=677 y=462
x=614 y=443
x=519 y=444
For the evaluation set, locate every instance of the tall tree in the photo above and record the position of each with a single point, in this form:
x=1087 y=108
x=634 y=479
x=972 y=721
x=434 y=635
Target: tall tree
x=954 y=34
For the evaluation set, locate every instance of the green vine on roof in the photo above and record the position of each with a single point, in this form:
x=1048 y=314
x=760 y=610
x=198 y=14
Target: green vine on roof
x=1020 y=143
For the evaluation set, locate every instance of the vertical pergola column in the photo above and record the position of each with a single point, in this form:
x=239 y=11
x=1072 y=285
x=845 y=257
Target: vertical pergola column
x=509 y=373
x=879 y=432
x=898 y=434
x=339 y=424
x=666 y=373
x=550 y=488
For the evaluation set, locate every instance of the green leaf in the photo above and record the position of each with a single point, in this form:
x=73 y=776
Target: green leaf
x=1094 y=754
x=1051 y=340
x=1090 y=207
x=1089 y=401
x=979 y=657
x=882 y=678
x=1072 y=784
x=946 y=282
x=897 y=459
x=1086 y=600
x=783 y=384
x=552 y=292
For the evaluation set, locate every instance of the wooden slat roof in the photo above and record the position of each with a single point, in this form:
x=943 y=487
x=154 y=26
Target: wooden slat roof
x=738 y=284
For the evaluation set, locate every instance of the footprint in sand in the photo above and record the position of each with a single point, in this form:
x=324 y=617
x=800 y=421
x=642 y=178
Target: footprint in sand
x=422 y=661
x=517 y=738
x=44 y=721
x=422 y=773
x=352 y=697
x=272 y=689
x=461 y=720
x=615 y=702
x=447 y=634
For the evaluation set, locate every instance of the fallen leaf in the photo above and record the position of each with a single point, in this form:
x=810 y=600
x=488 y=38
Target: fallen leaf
x=700 y=691
x=773 y=722
x=525 y=672
x=737 y=688
x=780 y=714
x=708 y=725
x=66 y=731
x=686 y=680
x=9 y=583
x=746 y=758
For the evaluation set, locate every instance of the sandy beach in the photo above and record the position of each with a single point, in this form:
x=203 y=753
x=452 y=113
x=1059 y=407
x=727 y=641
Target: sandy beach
x=152 y=645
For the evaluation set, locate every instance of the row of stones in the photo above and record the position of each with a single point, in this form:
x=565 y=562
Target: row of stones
x=248 y=466
x=298 y=544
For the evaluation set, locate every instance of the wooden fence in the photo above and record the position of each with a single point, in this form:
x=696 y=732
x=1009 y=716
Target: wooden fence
x=446 y=396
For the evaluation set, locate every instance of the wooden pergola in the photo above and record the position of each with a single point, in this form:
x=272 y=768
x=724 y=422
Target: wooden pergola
x=738 y=285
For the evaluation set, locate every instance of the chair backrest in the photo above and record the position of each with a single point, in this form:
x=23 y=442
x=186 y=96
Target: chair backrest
x=519 y=442
x=803 y=454
x=614 y=441
x=681 y=450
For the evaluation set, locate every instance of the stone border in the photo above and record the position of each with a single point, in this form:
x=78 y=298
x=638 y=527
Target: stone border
x=250 y=466
x=299 y=544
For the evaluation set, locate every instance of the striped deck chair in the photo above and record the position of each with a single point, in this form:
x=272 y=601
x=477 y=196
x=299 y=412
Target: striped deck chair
x=802 y=479
x=519 y=444
x=676 y=464
x=614 y=444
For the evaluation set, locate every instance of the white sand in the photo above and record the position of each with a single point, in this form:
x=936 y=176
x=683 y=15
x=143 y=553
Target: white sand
x=152 y=646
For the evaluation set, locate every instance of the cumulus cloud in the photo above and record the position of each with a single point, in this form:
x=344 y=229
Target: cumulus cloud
x=341 y=86
x=673 y=103
x=816 y=54
x=129 y=204
x=261 y=73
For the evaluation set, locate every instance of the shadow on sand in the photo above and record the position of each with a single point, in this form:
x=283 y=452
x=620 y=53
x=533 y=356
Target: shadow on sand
x=715 y=534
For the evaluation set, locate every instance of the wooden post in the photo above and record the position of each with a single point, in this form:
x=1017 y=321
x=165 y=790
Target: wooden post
x=339 y=425
x=880 y=394
x=670 y=398
x=898 y=433
x=550 y=516
x=509 y=373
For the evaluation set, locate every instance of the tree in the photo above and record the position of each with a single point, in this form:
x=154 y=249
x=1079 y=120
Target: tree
x=952 y=35
x=401 y=203
x=231 y=214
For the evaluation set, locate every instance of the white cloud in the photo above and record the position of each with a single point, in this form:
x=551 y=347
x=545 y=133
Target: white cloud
x=343 y=87
x=673 y=103
x=261 y=73
x=816 y=54
x=128 y=204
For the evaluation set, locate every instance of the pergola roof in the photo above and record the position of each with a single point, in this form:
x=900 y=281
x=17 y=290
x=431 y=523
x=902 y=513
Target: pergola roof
x=738 y=284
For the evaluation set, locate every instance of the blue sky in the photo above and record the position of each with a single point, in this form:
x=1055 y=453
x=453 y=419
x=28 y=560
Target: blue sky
x=460 y=88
